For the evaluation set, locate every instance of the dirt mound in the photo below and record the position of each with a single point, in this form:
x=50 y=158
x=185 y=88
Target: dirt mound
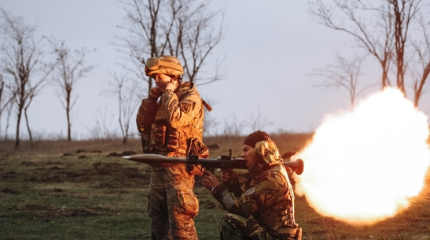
x=112 y=175
x=125 y=153
x=49 y=213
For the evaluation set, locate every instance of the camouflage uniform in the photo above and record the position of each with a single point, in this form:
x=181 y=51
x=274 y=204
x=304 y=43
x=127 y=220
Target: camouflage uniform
x=167 y=127
x=262 y=207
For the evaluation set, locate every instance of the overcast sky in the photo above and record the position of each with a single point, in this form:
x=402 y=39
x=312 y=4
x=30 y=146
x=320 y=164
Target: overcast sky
x=270 y=49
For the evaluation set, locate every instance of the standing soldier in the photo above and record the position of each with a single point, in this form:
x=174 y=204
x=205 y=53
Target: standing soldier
x=170 y=122
x=262 y=206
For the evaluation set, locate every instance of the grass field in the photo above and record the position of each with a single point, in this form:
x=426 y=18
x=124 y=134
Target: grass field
x=83 y=190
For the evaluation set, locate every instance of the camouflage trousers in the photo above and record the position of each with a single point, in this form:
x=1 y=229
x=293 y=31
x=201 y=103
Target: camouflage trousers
x=235 y=227
x=172 y=203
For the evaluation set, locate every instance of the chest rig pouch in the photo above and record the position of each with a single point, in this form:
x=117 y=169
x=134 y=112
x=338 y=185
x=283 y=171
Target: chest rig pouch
x=196 y=148
x=166 y=137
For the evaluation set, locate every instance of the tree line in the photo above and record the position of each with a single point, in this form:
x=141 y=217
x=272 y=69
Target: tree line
x=394 y=34
x=186 y=29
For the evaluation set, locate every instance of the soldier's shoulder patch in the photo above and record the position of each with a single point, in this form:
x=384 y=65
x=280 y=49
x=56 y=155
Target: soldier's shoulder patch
x=249 y=191
x=186 y=106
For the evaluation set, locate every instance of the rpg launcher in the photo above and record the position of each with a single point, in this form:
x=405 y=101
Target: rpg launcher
x=224 y=161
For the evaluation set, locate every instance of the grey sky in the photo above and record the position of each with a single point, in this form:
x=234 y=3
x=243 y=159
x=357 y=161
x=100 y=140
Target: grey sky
x=270 y=49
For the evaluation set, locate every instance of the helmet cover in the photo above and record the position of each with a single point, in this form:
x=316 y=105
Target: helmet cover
x=168 y=65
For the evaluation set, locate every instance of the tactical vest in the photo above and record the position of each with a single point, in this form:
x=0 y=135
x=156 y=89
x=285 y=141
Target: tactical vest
x=172 y=141
x=158 y=135
x=281 y=213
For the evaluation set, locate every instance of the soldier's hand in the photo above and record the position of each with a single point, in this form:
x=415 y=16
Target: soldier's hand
x=209 y=180
x=228 y=175
x=171 y=86
x=155 y=93
x=197 y=171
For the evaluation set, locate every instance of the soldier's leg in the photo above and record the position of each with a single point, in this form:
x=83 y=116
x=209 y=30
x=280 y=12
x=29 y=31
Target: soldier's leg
x=234 y=227
x=183 y=204
x=157 y=208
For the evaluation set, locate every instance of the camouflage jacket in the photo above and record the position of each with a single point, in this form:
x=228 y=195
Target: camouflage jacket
x=168 y=124
x=266 y=195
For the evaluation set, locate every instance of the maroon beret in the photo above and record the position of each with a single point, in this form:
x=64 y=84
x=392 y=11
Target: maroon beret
x=256 y=137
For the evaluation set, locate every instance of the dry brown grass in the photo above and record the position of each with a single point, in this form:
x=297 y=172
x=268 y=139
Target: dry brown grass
x=64 y=146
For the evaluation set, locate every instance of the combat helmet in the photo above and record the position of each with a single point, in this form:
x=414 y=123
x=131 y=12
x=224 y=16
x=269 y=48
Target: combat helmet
x=168 y=65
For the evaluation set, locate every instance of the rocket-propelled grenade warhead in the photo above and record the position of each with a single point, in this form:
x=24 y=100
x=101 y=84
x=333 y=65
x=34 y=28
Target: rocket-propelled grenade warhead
x=223 y=161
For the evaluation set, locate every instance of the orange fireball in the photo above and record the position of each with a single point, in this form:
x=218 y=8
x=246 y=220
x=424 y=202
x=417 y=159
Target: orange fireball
x=365 y=165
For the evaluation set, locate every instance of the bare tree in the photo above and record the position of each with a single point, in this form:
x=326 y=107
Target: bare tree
x=403 y=12
x=196 y=38
x=6 y=101
x=232 y=127
x=183 y=28
x=343 y=74
x=103 y=129
x=8 y=109
x=350 y=17
x=422 y=49
x=381 y=28
x=258 y=121
x=22 y=62
x=125 y=89
x=69 y=70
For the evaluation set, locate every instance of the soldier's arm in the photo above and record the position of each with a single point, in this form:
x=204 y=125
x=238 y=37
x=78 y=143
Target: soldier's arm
x=145 y=114
x=183 y=112
x=253 y=200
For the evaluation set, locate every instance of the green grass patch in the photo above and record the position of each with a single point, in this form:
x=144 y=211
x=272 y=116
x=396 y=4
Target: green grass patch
x=54 y=191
